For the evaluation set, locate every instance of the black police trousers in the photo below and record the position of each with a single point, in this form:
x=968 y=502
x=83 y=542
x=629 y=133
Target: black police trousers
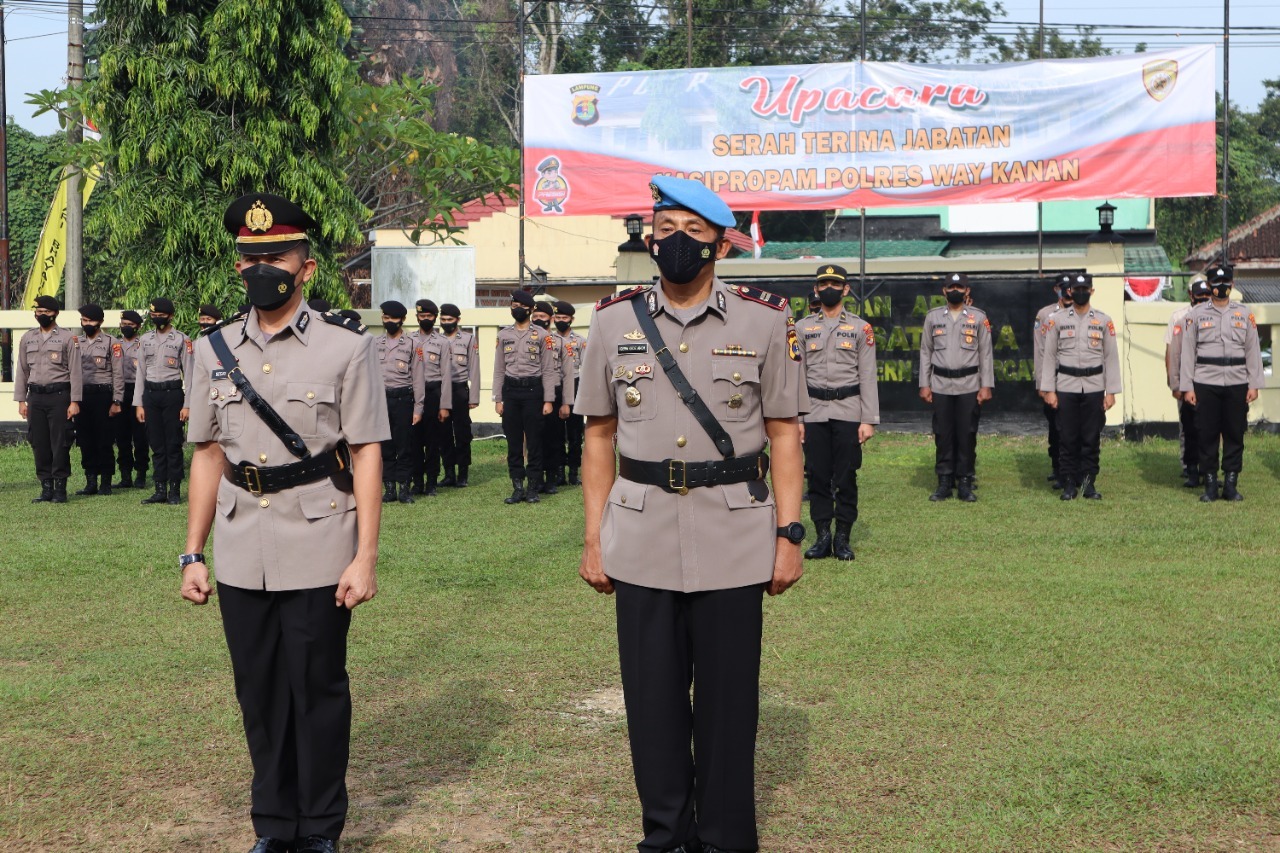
x=665 y=638
x=289 y=658
x=832 y=456
x=553 y=454
x=955 y=434
x=164 y=432
x=1080 y=420
x=131 y=438
x=95 y=431
x=397 y=451
x=1221 y=414
x=1051 y=415
x=48 y=430
x=575 y=427
x=456 y=436
x=522 y=424
x=427 y=436
x=1190 y=436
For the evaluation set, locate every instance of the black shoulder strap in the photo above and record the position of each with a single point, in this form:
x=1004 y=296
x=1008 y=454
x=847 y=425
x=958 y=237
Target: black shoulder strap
x=686 y=391
x=261 y=407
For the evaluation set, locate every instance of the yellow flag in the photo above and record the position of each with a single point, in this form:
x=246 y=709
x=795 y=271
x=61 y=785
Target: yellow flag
x=46 y=272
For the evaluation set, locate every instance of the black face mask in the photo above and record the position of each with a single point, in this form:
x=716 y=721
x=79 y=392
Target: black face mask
x=1080 y=297
x=159 y=322
x=954 y=297
x=545 y=324
x=562 y=327
x=1221 y=291
x=426 y=325
x=89 y=330
x=45 y=320
x=128 y=332
x=681 y=257
x=449 y=328
x=392 y=326
x=831 y=296
x=204 y=327
x=268 y=287
x=1196 y=300
x=519 y=314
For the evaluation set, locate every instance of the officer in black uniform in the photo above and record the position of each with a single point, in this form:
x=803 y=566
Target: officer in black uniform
x=132 y=453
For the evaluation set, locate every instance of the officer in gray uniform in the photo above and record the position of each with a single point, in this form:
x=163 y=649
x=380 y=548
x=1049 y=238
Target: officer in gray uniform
x=957 y=374
x=131 y=434
x=464 y=377
x=405 y=394
x=160 y=401
x=844 y=407
x=1080 y=378
x=553 y=455
x=1220 y=373
x=694 y=377
x=102 y=377
x=524 y=389
x=47 y=388
x=297 y=515
x=432 y=352
x=1063 y=289
x=1188 y=437
x=570 y=437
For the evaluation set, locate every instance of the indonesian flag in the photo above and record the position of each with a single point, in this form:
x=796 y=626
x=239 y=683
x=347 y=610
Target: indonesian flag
x=1144 y=289
x=757 y=239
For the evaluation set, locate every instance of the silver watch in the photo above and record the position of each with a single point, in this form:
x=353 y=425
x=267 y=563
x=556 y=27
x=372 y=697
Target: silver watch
x=185 y=560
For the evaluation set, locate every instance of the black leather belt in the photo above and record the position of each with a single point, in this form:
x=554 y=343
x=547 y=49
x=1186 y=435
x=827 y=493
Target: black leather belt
x=1221 y=362
x=98 y=388
x=397 y=393
x=52 y=388
x=277 y=478
x=834 y=393
x=1096 y=370
x=958 y=373
x=433 y=384
x=169 y=385
x=522 y=381
x=678 y=476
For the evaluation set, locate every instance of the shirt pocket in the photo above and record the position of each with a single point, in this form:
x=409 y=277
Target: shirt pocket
x=735 y=389
x=938 y=334
x=309 y=406
x=633 y=388
x=325 y=501
x=969 y=338
x=229 y=409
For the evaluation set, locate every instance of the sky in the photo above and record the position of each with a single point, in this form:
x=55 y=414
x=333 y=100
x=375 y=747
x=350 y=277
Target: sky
x=36 y=40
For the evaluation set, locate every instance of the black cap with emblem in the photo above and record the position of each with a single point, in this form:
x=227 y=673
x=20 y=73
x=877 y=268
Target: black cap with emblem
x=162 y=305
x=395 y=309
x=832 y=272
x=266 y=224
x=523 y=297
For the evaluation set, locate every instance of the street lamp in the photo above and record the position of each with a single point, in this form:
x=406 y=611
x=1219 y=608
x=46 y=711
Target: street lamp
x=634 y=224
x=1106 y=219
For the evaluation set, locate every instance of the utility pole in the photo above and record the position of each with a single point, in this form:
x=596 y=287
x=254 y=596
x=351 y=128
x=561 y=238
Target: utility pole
x=74 y=289
x=1226 y=129
x=6 y=340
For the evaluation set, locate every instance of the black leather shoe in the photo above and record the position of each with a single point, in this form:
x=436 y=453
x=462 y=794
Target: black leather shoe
x=964 y=490
x=159 y=496
x=1069 y=492
x=405 y=496
x=689 y=847
x=1210 y=489
x=841 y=547
x=388 y=492
x=175 y=495
x=1088 y=491
x=517 y=492
x=1191 y=478
x=105 y=488
x=822 y=547
x=90 y=485
x=450 y=479
x=59 y=491
x=316 y=844
x=1229 y=492
x=549 y=488
x=126 y=480
x=944 y=489
x=272 y=845
x=46 y=493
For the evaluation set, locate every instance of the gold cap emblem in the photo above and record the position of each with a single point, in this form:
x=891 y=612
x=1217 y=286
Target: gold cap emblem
x=258 y=218
x=830 y=270
x=657 y=194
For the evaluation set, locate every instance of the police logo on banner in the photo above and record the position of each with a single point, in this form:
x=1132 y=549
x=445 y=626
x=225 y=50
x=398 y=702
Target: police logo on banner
x=1159 y=77
x=586 y=104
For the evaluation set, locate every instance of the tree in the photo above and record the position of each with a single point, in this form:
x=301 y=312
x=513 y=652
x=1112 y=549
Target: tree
x=1026 y=45
x=35 y=163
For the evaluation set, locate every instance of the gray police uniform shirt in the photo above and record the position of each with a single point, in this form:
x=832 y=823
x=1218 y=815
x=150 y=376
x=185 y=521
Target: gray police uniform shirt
x=400 y=367
x=956 y=340
x=431 y=350
x=1088 y=340
x=524 y=354
x=576 y=347
x=838 y=352
x=323 y=380
x=164 y=358
x=1218 y=333
x=47 y=358
x=743 y=358
x=132 y=355
x=464 y=364
x=1173 y=344
x=1042 y=316
x=564 y=367
x=101 y=363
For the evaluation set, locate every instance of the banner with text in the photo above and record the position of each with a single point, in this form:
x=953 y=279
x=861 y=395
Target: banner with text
x=875 y=134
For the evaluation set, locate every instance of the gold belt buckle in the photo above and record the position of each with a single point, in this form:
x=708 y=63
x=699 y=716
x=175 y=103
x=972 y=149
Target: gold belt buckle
x=683 y=486
x=250 y=475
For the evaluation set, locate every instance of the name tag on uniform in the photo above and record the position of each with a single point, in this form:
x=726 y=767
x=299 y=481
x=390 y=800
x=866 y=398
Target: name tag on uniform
x=938 y=330
x=629 y=348
x=218 y=373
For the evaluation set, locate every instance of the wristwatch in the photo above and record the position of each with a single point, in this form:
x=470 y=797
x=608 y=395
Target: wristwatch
x=793 y=533
x=185 y=560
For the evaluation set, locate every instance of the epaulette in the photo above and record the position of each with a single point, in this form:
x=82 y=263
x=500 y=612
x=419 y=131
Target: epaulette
x=621 y=296
x=346 y=323
x=764 y=297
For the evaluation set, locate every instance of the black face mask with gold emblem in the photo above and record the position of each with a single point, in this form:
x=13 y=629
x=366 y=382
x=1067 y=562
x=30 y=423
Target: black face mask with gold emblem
x=268 y=287
x=681 y=257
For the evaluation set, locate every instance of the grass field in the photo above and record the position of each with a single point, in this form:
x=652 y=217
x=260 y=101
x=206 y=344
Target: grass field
x=1015 y=675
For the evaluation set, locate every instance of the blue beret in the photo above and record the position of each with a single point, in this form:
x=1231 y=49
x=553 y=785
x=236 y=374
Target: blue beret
x=683 y=194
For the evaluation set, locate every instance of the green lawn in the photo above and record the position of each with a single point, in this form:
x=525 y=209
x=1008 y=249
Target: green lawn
x=1014 y=675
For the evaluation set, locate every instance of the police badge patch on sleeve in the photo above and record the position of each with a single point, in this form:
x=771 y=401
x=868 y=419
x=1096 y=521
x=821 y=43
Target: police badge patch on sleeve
x=793 y=343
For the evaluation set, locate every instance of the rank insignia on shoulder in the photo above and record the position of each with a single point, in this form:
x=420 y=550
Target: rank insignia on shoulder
x=621 y=296
x=343 y=322
x=764 y=297
x=304 y=321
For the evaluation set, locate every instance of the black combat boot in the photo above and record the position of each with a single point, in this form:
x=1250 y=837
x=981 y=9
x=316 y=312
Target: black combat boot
x=59 y=491
x=549 y=486
x=415 y=487
x=429 y=490
x=406 y=496
x=531 y=493
x=175 y=493
x=450 y=479
x=462 y=476
x=388 y=491
x=573 y=477
x=1087 y=490
x=46 y=492
x=1069 y=490
x=104 y=487
x=159 y=496
x=1191 y=478
x=944 y=488
x=841 y=547
x=517 y=492
x=822 y=546
x=126 y=479
x=561 y=479
x=140 y=481
x=964 y=490
x=1229 y=481
x=1055 y=481
x=90 y=485
x=1210 y=489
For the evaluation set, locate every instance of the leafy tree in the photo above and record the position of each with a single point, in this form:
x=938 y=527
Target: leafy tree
x=1026 y=45
x=35 y=162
